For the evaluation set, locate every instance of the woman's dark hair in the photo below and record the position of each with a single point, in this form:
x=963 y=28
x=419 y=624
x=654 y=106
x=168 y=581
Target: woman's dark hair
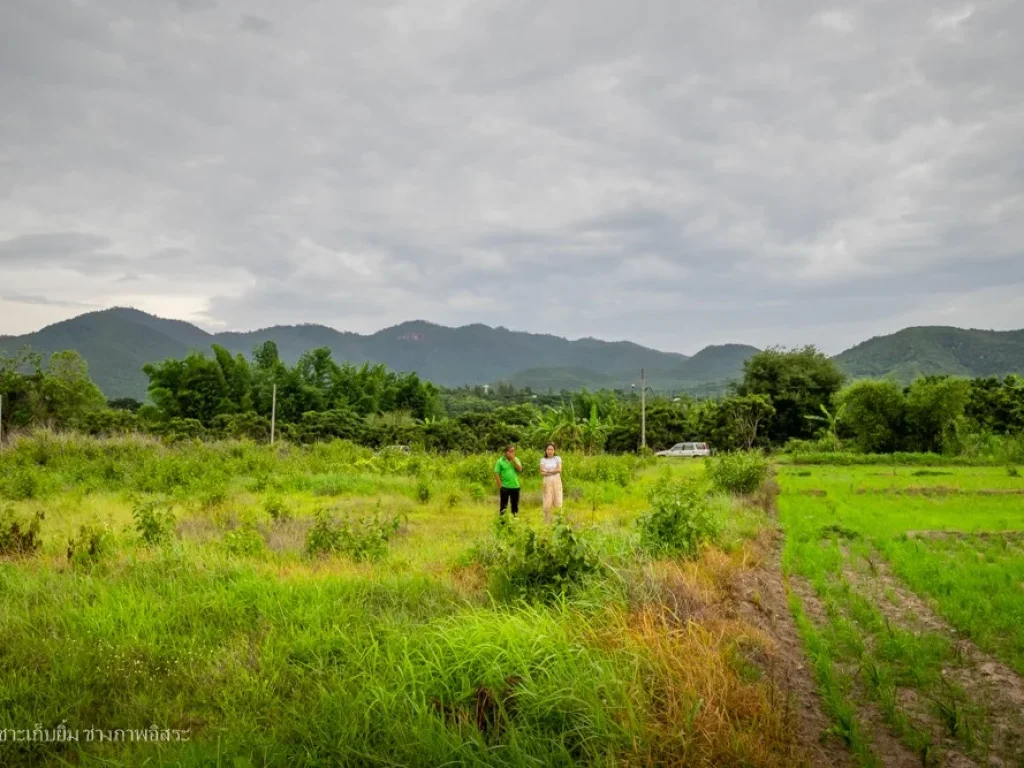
x=551 y=445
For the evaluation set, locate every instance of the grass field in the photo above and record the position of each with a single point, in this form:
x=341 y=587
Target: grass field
x=238 y=647
x=205 y=604
x=908 y=587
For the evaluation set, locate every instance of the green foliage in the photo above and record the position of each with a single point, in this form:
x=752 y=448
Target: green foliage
x=423 y=491
x=679 y=522
x=21 y=483
x=539 y=565
x=798 y=383
x=741 y=473
x=154 y=521
x=89 y=545
x=934 y=405
x=277 y=509
x=360 y=538
x=245 y=541
x=17 y=538
x=875 y=415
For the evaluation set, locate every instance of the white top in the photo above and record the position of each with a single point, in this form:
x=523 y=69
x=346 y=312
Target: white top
x=550 y=465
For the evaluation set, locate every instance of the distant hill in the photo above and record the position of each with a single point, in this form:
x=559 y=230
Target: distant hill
x=118 y=342
x=931 y=350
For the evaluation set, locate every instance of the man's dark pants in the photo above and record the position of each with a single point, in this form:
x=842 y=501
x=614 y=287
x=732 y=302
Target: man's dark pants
x=509 y=495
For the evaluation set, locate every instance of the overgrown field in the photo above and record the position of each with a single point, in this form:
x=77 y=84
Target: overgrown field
x=908 y=587
x=232 y=604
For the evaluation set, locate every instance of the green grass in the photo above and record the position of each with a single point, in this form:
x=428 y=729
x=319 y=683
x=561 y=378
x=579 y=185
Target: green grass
x=843 y=520
x=267 y=656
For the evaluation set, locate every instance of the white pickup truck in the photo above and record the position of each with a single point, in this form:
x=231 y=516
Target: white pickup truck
x=687 y=450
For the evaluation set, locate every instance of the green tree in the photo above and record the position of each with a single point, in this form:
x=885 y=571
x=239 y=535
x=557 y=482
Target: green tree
x=934 y=405
x=66 y=390
x=875 y=416
x=798 y=382
x=747 y=415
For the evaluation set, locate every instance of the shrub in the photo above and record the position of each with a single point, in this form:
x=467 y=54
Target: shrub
x=679 y=522
x=153 y=521
x=245 y=540
x=738 y=472
x=19 y=539
x=477 y=493
x=359 y=538
x=277 y=509
x=22 y=484
x=1013 y=472
x=89 y=545
x=423 y=491
x=532 y=564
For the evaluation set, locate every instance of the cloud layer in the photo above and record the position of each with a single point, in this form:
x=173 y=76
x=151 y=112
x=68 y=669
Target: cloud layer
x=667 y=172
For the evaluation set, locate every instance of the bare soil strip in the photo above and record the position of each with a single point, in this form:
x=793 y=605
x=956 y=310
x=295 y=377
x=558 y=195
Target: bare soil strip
x=762 y=601
x=988 y=682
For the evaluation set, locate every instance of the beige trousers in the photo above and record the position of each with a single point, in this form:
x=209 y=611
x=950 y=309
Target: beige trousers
x=551 y=487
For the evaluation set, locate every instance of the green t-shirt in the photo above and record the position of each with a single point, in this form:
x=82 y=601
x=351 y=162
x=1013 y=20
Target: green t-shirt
x=507 y=471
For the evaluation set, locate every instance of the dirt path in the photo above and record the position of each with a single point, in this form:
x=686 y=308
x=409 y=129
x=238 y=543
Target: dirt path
x=987 y=681
x=761 y=600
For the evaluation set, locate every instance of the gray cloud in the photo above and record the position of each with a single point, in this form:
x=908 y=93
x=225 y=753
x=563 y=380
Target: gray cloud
x=664 y=172
x=256 y=24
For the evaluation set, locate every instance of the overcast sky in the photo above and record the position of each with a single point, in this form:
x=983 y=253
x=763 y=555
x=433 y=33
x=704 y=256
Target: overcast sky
x=672 y=172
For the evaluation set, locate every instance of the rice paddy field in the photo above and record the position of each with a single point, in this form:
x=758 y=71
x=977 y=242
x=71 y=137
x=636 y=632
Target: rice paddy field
x=230 y=604
x=908 y=588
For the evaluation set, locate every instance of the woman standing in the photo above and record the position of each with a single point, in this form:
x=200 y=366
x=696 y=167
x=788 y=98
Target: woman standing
x=551 y=481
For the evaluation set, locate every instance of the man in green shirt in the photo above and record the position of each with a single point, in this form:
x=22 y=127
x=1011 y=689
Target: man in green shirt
x=506 y=476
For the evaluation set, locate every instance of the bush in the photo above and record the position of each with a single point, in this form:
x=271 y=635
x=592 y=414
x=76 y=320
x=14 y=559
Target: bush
x=532 y=564
x=423 y=491
x=738 y=472
x=89 y=545
x=22 y=484
x=360 y=538
x=19 y=539
x=679 y=522
x=153 y=521
x=277 y=509
x=245 y=540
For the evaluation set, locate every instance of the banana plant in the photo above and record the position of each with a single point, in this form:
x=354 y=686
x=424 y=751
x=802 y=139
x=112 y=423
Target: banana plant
x=831 y=421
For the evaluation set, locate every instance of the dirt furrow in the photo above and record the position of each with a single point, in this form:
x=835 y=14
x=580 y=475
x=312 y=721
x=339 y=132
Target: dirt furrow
x=988 y=682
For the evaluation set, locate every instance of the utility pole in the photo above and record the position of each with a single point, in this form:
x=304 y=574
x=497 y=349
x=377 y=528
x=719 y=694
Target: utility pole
x=643 y=409
x=273 y=414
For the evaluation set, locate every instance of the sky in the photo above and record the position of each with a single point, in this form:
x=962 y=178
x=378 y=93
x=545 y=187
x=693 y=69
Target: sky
x=672 y=172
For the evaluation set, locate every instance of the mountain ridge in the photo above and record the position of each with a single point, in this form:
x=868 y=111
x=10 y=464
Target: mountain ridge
x=117 y=342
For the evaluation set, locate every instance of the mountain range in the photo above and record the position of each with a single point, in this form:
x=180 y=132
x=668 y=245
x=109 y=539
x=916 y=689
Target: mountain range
x=118 y=342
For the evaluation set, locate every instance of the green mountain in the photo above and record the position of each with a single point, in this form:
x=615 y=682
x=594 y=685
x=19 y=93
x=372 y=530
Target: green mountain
x=118 y=342
x=929 y=350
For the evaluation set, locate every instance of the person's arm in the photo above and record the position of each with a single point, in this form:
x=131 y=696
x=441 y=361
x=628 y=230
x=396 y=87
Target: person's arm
x=516 y=463
x=558 y=467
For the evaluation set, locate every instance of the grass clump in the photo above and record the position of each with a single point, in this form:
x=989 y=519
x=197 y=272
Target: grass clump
x=16 y=538
x=89 y=545
x=740 y=473
x=245 y=541
x=154 y=522
x=362 y=539
x=279 y=511
x=538 y=565
x=680 y=521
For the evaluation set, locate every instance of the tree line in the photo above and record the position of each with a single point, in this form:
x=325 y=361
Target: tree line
x=796 y=398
